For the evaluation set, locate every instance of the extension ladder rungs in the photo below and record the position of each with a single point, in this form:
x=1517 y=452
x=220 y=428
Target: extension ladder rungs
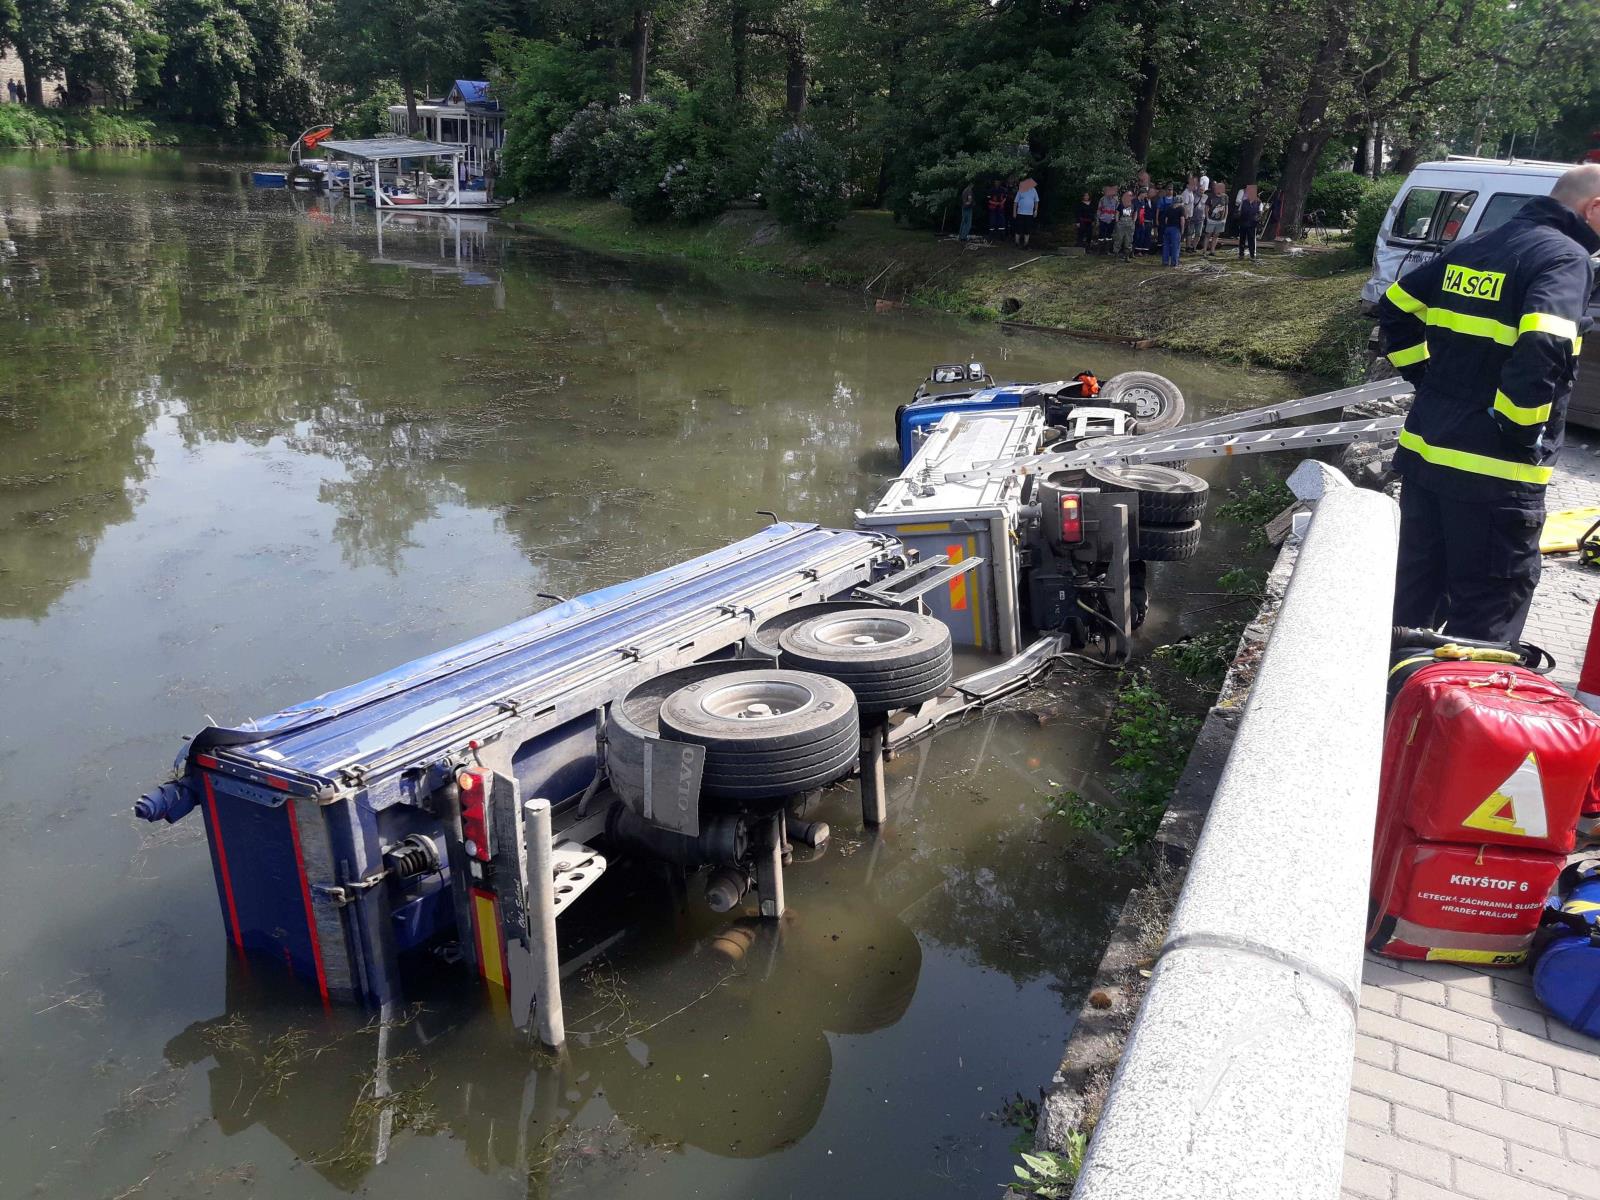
x=1154 y=450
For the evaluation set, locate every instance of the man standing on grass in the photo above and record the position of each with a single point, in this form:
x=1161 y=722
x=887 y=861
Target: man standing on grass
x=1249 y=221
x=1489 y=334
x=1025 y=210
x=1216 y=216
x=1107 y=210
x=1169 y=216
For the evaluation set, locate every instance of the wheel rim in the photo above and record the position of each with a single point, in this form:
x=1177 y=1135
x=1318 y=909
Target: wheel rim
x=862 y=631
x=757 y=700
x=1146 y=402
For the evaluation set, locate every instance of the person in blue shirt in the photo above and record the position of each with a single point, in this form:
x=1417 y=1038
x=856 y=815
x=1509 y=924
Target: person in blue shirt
x=1025 y=210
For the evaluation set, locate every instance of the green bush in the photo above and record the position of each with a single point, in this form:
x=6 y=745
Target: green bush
x=369 y=116
x=1370 y=215
x=22 y=125
x=585 y=151
x=546 y=85
x=804 y=182
x=678 y=156
x=1338 y=195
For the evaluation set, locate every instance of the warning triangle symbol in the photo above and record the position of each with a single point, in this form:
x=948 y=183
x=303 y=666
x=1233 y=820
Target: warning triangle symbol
x=1516 y=807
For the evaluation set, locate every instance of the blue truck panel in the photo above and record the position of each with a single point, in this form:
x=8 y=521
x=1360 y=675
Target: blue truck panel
x=917 y=419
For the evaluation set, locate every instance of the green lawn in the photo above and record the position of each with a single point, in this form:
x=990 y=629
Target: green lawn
x=1295 y=312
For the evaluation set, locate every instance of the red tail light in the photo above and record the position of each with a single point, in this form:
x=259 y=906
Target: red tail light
x=475 y=823
x=1071 y=518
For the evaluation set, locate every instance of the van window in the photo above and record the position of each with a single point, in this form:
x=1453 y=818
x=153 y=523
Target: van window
x=1432 y=214
x=1500 y=209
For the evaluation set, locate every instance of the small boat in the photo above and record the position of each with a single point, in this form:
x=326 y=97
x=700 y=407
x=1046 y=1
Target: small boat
x=269 y=179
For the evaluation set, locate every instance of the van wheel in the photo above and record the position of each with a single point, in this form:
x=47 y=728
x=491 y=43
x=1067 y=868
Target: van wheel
x=1167 y=496
x=1153 y=401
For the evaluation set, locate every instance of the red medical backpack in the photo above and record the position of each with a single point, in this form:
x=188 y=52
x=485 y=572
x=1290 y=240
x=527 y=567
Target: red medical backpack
x=1485 y=769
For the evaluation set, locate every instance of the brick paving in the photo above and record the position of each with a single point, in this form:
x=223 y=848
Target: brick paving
x=1462 y=1086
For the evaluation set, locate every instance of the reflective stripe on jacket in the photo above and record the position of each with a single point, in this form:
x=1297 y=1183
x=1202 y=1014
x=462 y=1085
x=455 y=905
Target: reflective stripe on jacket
x=1489 y=333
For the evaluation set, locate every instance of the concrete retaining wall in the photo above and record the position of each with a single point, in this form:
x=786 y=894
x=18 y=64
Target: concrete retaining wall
x=1235 y=1081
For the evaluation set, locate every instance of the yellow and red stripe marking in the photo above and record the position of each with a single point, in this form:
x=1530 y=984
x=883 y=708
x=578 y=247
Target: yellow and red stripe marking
x=487 y=936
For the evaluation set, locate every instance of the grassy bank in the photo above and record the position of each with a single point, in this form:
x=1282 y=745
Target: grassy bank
x=24 y=127
x=1293 y=312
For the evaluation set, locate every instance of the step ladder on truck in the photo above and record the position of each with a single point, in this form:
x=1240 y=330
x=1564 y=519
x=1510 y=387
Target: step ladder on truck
x=447 y=812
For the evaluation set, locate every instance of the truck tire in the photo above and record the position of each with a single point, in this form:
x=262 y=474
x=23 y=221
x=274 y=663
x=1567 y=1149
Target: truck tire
x=888 y=658
x=1153 y=401
x=764 y=639
x=767 y=733
x=635 y=720
x=1167 y=543
x=1167 y=496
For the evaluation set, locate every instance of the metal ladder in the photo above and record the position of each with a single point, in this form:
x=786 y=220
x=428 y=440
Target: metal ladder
x=1224 y=436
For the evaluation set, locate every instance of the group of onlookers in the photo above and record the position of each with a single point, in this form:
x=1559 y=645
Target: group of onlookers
x=1141 y=217
x=15 y=92
x=1010 y=209
x=1138 y=218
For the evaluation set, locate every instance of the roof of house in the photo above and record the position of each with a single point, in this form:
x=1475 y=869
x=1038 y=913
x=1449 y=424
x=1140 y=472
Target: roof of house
x=471 y=91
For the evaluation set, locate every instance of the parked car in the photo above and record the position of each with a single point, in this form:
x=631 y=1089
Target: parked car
x=1444 y=201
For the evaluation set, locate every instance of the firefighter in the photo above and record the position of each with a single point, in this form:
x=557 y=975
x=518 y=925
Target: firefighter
x=1489 y=334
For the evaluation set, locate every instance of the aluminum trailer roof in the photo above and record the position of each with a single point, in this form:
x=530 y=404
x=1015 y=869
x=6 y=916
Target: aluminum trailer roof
x=536 y=658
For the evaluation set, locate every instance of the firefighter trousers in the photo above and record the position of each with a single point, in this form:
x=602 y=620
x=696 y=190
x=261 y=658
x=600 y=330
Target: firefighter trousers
x=1466 y=567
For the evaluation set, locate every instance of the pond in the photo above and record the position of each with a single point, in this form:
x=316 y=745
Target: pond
x=254 y=447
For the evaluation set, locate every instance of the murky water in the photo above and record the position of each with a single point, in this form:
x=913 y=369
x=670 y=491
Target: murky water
x=251 y=450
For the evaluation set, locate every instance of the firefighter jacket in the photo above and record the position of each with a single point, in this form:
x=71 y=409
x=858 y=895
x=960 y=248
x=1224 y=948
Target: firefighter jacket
x=1489 y=334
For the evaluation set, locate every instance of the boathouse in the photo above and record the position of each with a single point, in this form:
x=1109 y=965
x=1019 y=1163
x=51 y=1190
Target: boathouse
x=467 y=117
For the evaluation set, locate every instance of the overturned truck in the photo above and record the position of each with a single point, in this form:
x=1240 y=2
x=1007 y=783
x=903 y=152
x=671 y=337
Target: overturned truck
x=452 y=809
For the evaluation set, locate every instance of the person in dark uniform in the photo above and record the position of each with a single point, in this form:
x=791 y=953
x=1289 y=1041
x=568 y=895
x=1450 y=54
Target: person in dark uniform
x=1489 y=335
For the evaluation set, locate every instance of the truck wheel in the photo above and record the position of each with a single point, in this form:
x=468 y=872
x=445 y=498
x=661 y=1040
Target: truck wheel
x=1167 y=496
x=889 y=659
x=767 y=733
x=1168 y=543
x=1153 y=401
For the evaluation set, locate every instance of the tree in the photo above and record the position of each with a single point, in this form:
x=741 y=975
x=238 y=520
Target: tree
x=409 y=40
x=35 y=34
x=209 y=62
x=99 y=46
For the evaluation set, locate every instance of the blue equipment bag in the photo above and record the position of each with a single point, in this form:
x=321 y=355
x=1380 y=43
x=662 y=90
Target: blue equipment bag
x=1566 y=952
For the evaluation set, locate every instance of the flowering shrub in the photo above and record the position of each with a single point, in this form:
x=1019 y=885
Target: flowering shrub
x=586 y=147
x=804 y=181
x=664 y=158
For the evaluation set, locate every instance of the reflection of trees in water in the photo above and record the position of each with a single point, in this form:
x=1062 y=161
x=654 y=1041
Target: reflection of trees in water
x=615 y=417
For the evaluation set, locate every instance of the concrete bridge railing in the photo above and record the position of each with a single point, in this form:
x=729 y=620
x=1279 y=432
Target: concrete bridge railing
x=1235 y=1080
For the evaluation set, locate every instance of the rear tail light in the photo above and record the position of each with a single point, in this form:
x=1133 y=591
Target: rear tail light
x=473 y=783
x=1071 y=517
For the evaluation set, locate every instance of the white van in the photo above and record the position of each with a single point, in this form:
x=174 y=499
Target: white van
x=1443 y=201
